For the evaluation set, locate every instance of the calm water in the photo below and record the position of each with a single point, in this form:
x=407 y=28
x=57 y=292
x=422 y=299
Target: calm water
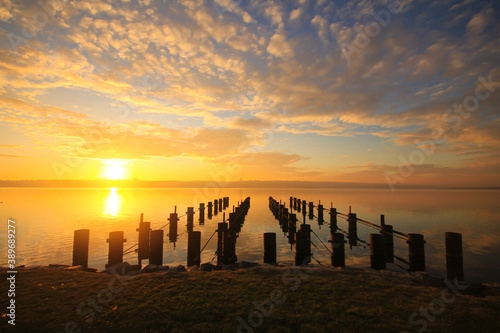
x=46 y=218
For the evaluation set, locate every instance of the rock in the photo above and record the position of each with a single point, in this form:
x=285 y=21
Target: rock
x=150 y=269
x=58 y=266
x=247 y=264
x=121 y=269
x=207 y=267
x=81 y=268
x=180 y=268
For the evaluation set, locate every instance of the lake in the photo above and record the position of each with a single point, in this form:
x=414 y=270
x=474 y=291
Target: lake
x=47 y=217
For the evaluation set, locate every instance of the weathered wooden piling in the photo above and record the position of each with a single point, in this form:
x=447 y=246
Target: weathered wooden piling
x=333 y=220
x=416 y=252
x=172 y=234
x=209 y=214
x=115 y=254
x=303 y=245
x=299 y=204
x=338 y=249
x=353 y=229
x=143 y=244
x=269 y=248
x=284 y=221
x=454 y=256
x=387 y=232
x=221 y=231
x=229 y=248
x=294 y=203
x=81 y=247
x=156 y=248
x=202 y=214
x=190 y=218
x=220 y=205
x=377 y=248
x=292 y=228
x=216 y=207
x=194 y=246
x=320 y=214
x=304 y=209
x=311 y=210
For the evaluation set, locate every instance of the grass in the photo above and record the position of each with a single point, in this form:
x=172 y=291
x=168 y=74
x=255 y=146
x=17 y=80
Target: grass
x=308 y=301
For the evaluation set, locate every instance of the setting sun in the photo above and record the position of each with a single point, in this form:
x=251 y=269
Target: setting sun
x=115 y=169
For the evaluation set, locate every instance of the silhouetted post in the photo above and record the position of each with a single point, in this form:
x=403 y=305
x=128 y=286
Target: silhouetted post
x=194 y=246
x=81 y=247
x=295 y=203
x=291 y=203
x=216 y=207
x=333 y=220
x=142 y=217
x=320 y=214
x=190 y=218
x=299 y=204
x=284 y=221
x=229 y=248
x=377 y=256
x=115 y=254
x=202 y=214
x=338 y=250
x=417 y=252
x=304 y=209
x=143 y=245
x=156 y=248
x=210 y=210
x=221 y=231
x=172 y=234
x=311 y=210
x=292 y=228
x=454 y=256
x=387 y=232
x=353 y=229
x=382 y=220
x=303 y=245
x=269 y=248
x=220 y=205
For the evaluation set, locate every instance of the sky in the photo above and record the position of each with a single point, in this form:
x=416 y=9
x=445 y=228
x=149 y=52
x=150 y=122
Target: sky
x=398 y=92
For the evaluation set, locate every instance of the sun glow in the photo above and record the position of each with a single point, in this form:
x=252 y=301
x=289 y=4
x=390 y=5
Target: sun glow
x=115 y=169
x=112 y=203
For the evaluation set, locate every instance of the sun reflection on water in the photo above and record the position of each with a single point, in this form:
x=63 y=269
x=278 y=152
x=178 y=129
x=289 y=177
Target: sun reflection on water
x=112 y=203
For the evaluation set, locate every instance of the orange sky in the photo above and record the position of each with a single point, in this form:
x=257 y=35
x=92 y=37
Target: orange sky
x=262 y=90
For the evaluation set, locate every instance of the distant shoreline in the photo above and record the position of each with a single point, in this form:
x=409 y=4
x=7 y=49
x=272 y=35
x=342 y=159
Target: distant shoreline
x=214 y=184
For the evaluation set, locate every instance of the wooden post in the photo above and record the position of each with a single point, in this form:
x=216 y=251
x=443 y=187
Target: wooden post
x=81 y=247
x=156 y=248
x=172 y=234
x=221 y=231
x=209 y=210
x=292 y=228
x=311 y=210
x=229 y=248
x=303 y=245
x=338 y=250
x=202 y=214
x=417 y=252
x=387 y=232
x=220 y=205
x=377 y=256
x=269 y=248
x=304 y=209
x=291 y=203
x=194 y=246
x=115 y=254
x=216 y=207
x=353 y=229
x=454 y=256
x=320 y=215
x=333 y=220
x=382 y=220
x=190 y=218
x=143 y=246
x=284 y=221
x=299 y=204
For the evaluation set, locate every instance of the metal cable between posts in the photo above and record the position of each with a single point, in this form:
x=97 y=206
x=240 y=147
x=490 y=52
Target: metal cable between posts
x=199 y=254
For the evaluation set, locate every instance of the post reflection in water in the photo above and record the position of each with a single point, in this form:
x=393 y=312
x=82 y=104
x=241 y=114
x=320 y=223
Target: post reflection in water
x=112 y=203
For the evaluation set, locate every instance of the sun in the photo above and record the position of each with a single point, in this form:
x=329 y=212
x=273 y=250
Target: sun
x=115 y=169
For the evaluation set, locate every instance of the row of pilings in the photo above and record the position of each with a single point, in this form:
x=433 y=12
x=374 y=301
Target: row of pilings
x=150 y=243
x=381 y=244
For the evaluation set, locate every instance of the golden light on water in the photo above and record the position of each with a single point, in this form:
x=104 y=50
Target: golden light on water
x=112 y=203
